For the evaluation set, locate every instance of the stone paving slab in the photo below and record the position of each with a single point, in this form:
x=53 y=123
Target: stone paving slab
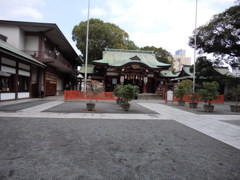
x=219 y=109
x=37 y=148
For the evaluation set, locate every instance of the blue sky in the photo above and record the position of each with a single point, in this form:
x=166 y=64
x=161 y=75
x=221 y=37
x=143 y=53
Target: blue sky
x=160 y=23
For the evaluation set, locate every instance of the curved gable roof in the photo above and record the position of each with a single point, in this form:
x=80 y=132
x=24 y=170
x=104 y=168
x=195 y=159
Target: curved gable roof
x=118 y=58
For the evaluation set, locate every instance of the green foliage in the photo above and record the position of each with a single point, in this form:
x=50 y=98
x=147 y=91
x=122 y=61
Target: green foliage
x=209 y=91
x=188 y=86
x=129 y=92
x=118 y=91
x=235 y=93
x=180 y=91
x=126 y=92
x=204 y=68
x=101 y=36
x=205 y=72
x=220 y=35
x=162 y=55
x=184 y=87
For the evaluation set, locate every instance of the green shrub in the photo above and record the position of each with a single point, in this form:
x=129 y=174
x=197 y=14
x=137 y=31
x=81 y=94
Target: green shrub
x=209 y=91
x=179 y=91
x=235 y=93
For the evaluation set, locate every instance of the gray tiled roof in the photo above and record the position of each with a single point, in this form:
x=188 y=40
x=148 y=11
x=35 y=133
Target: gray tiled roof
x=7 y=48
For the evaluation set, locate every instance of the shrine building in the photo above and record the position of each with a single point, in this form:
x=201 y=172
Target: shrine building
x=136 y=67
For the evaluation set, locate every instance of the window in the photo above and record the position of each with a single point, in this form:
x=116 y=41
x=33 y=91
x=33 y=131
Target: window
x=23 y=83
x=7 y=83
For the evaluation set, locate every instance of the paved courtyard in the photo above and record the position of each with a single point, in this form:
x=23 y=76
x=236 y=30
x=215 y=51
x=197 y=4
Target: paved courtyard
x=53 y=139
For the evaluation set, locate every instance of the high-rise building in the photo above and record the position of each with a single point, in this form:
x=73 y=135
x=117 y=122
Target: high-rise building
x=180 y=59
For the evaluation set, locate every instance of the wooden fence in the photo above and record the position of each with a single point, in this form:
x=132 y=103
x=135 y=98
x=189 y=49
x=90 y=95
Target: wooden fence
x=83 y=95
x=187 y=98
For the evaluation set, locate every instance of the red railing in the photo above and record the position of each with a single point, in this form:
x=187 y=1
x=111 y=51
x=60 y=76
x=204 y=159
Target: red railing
x=83 y=95
x=187 y=98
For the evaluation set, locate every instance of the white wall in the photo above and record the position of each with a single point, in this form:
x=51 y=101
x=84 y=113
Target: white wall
x=21 y=39
x=7 y=96
x=31 y=43
x=23 y=95
x=59 y=84
x=13 y=34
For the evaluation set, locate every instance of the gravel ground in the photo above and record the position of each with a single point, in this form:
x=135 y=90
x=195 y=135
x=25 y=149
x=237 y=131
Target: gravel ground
x=234 y=122
x=22 y=105
x=111 y=149
x=101 y=107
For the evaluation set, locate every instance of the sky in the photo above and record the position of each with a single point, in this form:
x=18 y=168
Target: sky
x=161 y=23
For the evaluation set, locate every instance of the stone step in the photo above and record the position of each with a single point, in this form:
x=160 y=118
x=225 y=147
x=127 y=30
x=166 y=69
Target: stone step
x=149 y=96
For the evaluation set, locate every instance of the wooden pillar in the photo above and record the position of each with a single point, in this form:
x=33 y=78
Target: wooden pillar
x=145 y=88
x=16 y=80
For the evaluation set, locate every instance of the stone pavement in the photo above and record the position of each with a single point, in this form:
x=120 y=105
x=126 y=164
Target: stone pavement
x=225 y=128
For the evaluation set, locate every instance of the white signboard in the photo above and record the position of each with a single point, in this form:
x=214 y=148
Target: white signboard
x=169 y=95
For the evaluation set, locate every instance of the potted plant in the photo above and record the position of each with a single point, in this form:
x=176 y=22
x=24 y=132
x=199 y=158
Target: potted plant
x=128 y=93
x=208 y=93
x=118 y=92
x=93 y=88
x=235 y=93
x=179 y=92
x=193 y=104
x=188 y=85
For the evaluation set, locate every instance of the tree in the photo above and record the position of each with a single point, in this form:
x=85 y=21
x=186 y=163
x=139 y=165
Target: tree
x=101 y=35
x=209 y=92
x=162 y=55
x=220 y=35
x=204 y=69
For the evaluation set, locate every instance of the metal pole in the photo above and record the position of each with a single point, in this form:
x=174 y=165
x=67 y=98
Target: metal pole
x=195 y=47
x=86 y=55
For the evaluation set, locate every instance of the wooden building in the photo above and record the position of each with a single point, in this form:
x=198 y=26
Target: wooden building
x=46 y=43
x=19 y=73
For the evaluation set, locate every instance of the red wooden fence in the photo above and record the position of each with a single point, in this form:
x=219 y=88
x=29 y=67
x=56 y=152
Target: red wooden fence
x=83 y=95
x=187 y=98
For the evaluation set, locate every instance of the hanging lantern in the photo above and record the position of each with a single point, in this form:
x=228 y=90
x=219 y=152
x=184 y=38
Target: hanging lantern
x=145 y=80
x=122 y=79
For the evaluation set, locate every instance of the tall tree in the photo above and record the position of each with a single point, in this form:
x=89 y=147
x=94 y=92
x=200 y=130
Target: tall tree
x=220 y=36
x=161 y=54
x=101 y=35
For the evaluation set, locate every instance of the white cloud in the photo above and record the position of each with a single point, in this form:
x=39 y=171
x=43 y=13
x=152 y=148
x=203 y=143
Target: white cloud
x=161 y=23
x=15 y=9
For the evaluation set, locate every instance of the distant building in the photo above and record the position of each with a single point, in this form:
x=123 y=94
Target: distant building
x=180 y=59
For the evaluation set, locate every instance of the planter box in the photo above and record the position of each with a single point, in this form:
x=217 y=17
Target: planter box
x=235 y=108
x=126 y=106
x=208 y=108
x=119 y=101
x=90 y=106
x=181 y=103
x=193 y=105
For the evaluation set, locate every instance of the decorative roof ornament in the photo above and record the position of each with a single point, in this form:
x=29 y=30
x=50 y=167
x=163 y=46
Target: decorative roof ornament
x=135 y=58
